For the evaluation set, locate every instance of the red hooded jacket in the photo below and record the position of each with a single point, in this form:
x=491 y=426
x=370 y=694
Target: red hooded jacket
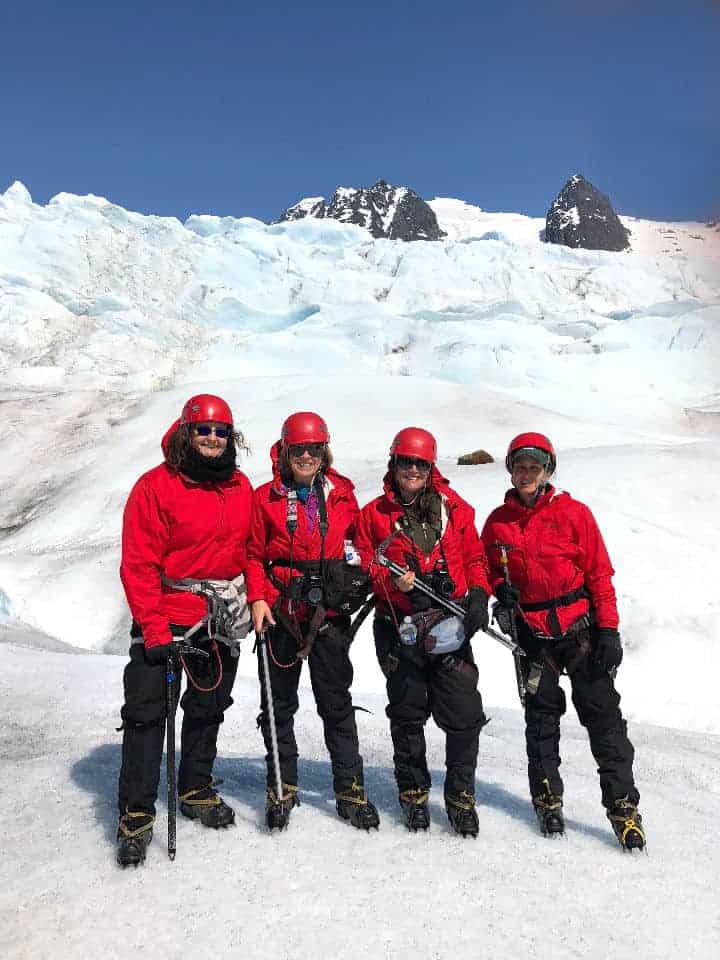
x=179 y=528
x=459 y=545
x=270 y=539
x=556 y=547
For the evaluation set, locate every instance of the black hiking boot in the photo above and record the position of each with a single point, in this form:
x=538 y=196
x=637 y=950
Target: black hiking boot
x=549 y=811
x=133 y=838
x=353 y=805
x=627 y=824
x=414 y=805
x=277 y=812
x=207 y=806
x=462 y=814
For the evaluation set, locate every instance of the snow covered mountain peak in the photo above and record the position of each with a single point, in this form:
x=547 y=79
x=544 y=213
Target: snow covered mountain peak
x=396 y=213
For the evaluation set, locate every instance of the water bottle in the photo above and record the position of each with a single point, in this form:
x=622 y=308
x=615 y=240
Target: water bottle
x=408 y=632
x=352 y=557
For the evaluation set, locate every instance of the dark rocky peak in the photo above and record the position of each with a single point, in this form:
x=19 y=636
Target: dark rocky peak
x=397 y=213
x=581 y=216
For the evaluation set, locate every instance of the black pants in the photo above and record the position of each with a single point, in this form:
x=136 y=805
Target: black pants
x=597 y=703
x=420 y=686
x=144 y=715
x=331 y=675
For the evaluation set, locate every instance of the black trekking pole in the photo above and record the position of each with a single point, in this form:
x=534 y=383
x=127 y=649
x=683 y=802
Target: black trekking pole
x=519 y=673
x=450 y=605
x=262 y=647
x=171 y=707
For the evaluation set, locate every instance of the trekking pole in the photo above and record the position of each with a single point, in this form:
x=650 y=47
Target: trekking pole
x=450 y=605
x=519 y=674
x=171 y=707
x=262 y=646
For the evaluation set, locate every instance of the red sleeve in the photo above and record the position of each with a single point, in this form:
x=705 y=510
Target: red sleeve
x=380 y=577
x=489 y=539
x=473 y=552
x=257 y=584
x=145 y=537
x=598 y=571
x=353 y=514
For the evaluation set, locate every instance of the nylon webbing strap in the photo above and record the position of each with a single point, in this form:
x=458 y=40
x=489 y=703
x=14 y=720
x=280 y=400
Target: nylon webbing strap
x=291 y=520
x=563 y=601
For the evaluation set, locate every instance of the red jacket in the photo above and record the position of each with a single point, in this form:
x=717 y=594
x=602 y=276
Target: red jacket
x=459 y=544
x=270 y=539
x=179 y=528
x=556 y=548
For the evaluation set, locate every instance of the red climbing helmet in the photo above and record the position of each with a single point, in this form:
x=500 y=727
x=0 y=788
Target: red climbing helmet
x=534 y=445
x=304 y=427
x=414 y=442
x=206 y=407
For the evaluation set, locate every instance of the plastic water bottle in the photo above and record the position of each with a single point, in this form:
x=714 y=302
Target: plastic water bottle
x=352 y=557
x=408 y=632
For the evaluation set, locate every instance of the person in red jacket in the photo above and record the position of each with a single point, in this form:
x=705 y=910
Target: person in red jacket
x=552 y=577
x=421 y=524
x=301 y=521
x=185 y=520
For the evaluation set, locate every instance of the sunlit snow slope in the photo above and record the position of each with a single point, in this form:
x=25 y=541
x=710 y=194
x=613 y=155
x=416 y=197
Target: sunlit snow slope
x=108 y=319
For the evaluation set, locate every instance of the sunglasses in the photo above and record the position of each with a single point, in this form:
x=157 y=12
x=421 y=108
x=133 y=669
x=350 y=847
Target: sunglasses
x=405 y=463
x=314 y=449
x=203 y=430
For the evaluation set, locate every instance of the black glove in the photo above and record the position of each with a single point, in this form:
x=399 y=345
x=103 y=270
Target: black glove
x=157 y=655
x=608 y=650
x=476 y=617
x=507 y=595
x=503 y=618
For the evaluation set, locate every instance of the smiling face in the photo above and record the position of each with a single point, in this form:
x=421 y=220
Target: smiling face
x=305 y=461
x=411 y=474
x=528 y=476
x=209 y=439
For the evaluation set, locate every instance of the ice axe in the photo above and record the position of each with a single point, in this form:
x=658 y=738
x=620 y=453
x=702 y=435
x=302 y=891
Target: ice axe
x=519 y=672
x=455 y=608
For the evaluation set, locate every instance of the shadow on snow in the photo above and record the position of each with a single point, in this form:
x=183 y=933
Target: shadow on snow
x=244 y=782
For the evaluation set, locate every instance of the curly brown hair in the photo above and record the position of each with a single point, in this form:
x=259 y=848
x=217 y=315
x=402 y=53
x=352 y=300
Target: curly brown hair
x=286 y=470
x=179 y=444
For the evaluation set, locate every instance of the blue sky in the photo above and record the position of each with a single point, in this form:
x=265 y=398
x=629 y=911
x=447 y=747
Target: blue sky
x=215 y=107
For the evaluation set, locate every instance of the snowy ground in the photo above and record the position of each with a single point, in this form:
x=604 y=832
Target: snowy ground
x=321 y=888
x=108 y=321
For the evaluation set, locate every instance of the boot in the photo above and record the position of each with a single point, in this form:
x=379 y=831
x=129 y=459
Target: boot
x=277 y=812
x=414 y=805
x=627 y=824
x=133 y=838
x=353 y=805
x=548 y=807
x=461 y=814
x=207 y=806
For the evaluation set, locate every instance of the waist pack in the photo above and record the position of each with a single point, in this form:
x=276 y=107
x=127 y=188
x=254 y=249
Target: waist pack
x=335 y=584
x=228 y=617
x=346 y=587
x=439 y=632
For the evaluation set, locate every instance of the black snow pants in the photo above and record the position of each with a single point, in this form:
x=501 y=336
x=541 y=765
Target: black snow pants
x=419 y=686
x=144 y=716
x=331 y=675
x=597 y=703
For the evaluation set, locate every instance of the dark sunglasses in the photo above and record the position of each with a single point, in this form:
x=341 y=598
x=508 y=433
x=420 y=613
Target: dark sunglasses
x=405 y=463
x=314 y=449
x=203 y=430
